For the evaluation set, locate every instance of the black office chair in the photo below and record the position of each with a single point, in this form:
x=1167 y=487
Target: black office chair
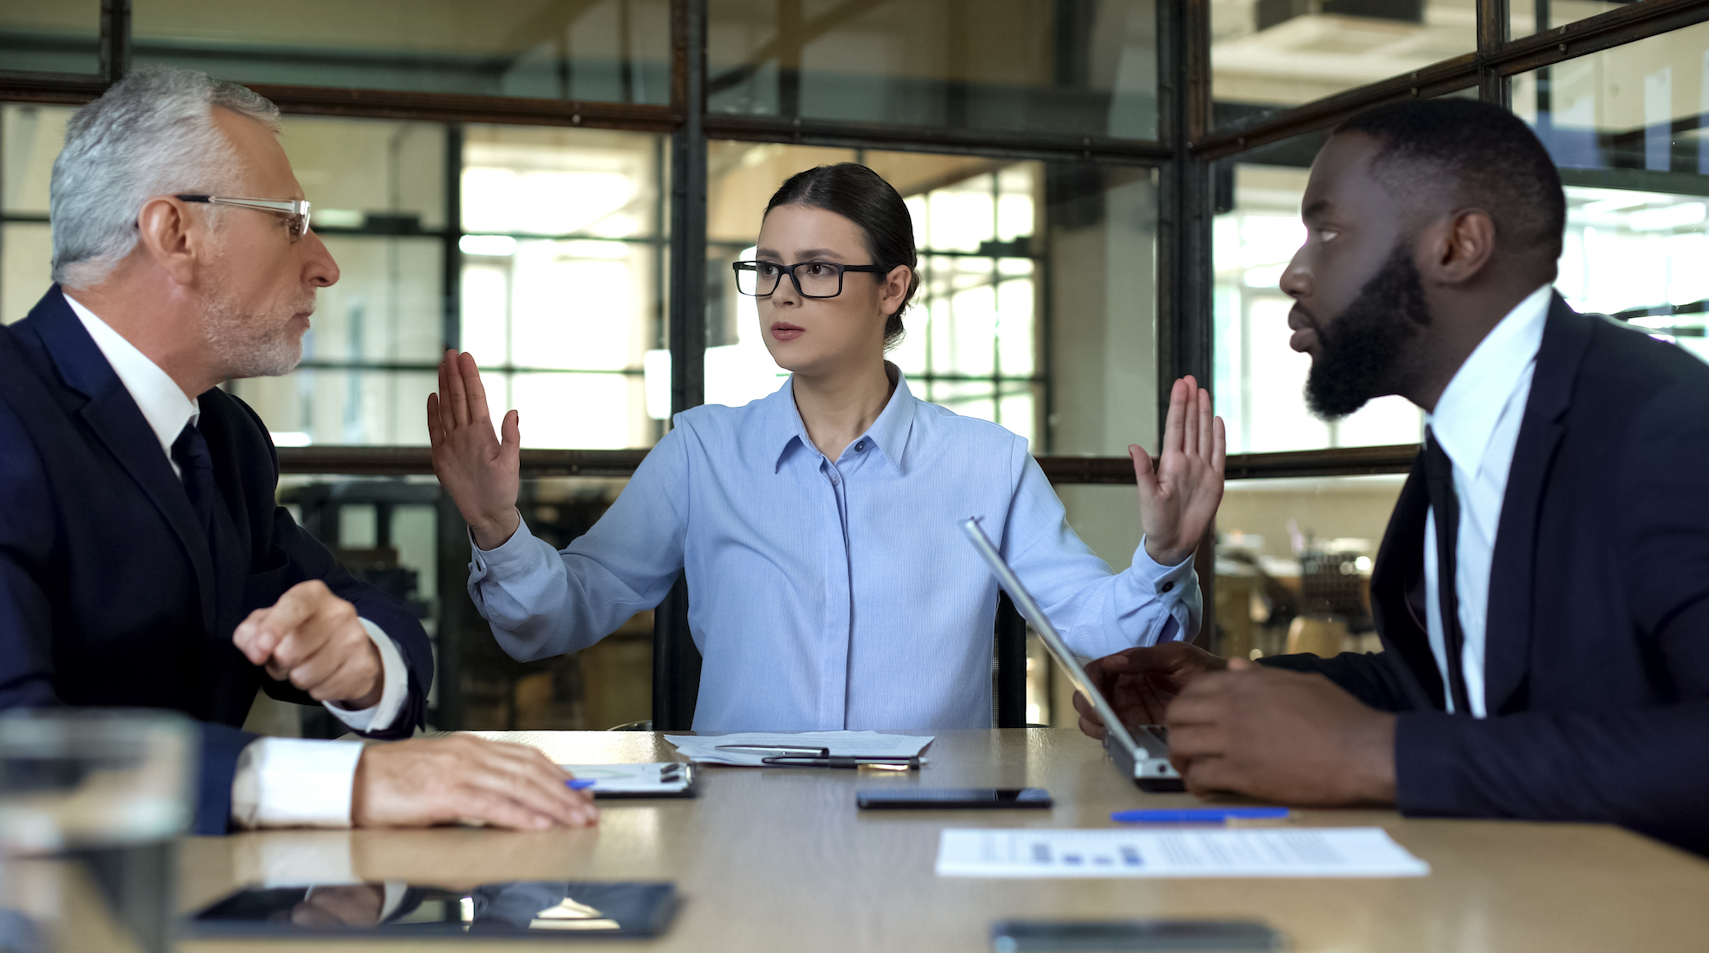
x=1009 y=688
x=676 y=664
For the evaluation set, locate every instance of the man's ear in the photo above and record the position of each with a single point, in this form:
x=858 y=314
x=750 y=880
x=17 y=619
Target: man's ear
x=1456 y=248
x=171 y=237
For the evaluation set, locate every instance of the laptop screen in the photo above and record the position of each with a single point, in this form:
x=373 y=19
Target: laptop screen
x=1052 y=639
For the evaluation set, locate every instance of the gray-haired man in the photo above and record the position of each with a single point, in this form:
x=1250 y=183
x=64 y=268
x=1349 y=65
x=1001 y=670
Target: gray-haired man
x=143 y=560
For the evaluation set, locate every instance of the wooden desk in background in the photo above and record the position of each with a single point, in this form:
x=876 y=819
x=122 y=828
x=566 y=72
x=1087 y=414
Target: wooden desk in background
x=780 y=859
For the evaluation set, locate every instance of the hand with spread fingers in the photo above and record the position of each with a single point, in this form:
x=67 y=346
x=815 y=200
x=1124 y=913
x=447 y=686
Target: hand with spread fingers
x=1178 y=498
x=429 y=781
x=314 y=640
x=476 y=467
x=1140 y=683
x=1281 y=736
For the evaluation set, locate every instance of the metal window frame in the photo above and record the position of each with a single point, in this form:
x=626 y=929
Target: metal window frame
x=1496 y=59
x=1186 y=146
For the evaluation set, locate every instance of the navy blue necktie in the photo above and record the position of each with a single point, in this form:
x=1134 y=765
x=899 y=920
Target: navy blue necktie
x=1445 y=504
x=196 y=468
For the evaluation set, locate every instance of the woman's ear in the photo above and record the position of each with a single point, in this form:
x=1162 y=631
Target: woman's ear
x=895 y=290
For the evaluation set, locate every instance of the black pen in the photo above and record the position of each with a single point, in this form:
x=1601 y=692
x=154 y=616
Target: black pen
x=802 y=751
x=841 y=761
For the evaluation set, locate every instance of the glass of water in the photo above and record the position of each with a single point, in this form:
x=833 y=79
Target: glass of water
x=91 y=804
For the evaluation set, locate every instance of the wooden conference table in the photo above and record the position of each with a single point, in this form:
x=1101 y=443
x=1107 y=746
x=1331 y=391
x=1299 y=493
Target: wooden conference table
x=780 y=859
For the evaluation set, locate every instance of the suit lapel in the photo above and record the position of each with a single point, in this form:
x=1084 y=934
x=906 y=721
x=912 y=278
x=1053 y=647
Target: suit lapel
x=121 y=427
x=1400 y=571
x=1507 y=628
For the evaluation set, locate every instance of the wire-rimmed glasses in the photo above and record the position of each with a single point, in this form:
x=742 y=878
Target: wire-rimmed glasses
x=813 y=279
x=296 y=212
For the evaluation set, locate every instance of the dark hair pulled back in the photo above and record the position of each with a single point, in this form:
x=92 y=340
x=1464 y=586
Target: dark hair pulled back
x=863 y=197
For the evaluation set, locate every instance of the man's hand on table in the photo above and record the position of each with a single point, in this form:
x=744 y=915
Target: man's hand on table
x=442 y=780
x=1288 y=737
x=314 y=640
x=1140 y=683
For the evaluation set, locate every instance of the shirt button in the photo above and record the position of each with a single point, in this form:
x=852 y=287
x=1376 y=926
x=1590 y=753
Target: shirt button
x=1166 y=587
x=861 y=446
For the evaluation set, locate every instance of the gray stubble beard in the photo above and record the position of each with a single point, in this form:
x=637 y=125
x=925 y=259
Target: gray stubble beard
x=249 y=344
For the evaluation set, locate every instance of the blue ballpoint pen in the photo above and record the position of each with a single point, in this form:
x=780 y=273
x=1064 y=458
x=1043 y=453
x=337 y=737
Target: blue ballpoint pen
x=580 y=784
x=1199 y=815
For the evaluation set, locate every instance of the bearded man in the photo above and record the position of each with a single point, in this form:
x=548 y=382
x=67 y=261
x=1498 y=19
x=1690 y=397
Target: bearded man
x=1542 y=591
x=144 y=561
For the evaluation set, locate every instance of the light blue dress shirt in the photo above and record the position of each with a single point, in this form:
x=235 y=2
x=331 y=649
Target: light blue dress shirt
x=830 y=594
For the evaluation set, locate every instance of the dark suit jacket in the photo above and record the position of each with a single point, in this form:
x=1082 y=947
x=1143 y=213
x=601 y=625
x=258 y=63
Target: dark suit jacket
x=110 y=594
x=1597 y=640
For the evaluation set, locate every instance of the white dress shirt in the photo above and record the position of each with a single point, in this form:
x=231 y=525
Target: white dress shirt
x=1476 y=422
x=279 y=781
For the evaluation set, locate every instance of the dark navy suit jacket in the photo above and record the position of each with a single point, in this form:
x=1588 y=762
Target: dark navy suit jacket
x=1596 y=660
x=110 y=592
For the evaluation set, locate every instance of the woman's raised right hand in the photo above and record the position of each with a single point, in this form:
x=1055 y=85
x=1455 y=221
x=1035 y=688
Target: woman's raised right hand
x=479 y=470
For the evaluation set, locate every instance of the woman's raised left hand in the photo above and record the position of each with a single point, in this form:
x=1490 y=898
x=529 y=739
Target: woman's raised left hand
x=1179 y=496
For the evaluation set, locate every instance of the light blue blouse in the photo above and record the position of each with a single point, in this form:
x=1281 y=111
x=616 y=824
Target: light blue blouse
x=830 y=594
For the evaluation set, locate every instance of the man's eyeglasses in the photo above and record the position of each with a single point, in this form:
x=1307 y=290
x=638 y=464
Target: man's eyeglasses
x=813 y=279
x=296 y=212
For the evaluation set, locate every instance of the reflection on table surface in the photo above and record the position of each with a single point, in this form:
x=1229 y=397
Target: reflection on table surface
x=766 y=858
x=397 y=907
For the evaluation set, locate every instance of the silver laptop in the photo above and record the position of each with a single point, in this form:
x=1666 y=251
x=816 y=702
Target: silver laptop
x=1142 y=754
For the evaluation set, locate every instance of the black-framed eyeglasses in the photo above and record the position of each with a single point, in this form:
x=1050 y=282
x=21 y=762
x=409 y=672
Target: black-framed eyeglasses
x=296 y=212
x=813 y=279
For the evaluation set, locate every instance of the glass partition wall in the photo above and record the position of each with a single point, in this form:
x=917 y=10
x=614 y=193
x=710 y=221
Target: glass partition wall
x=1104 y=194
x=1617 y=92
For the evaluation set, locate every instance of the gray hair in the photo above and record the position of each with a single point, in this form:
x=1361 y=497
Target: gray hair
x=152 y=133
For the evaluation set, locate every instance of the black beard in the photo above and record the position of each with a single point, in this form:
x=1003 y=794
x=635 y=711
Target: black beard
x=1361 y=349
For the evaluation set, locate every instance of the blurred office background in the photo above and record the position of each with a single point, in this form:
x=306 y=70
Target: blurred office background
x=1104 y=195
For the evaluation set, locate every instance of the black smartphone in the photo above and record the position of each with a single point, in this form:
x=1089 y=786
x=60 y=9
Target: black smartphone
x=943 y=799
x=1085 y=936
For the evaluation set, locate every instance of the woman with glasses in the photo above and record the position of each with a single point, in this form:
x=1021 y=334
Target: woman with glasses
x=829 y=584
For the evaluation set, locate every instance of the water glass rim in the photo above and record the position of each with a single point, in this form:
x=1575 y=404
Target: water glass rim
x=40 y=732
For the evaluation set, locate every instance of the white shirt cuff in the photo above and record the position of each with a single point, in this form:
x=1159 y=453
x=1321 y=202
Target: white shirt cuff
x=293 y=782
x=294 y=859
x=396 y=890
x=384 y=713
x=1165 y=581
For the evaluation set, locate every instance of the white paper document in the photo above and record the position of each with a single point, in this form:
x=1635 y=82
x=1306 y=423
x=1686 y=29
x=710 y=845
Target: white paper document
x=717 y=749
x=1182 y=852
